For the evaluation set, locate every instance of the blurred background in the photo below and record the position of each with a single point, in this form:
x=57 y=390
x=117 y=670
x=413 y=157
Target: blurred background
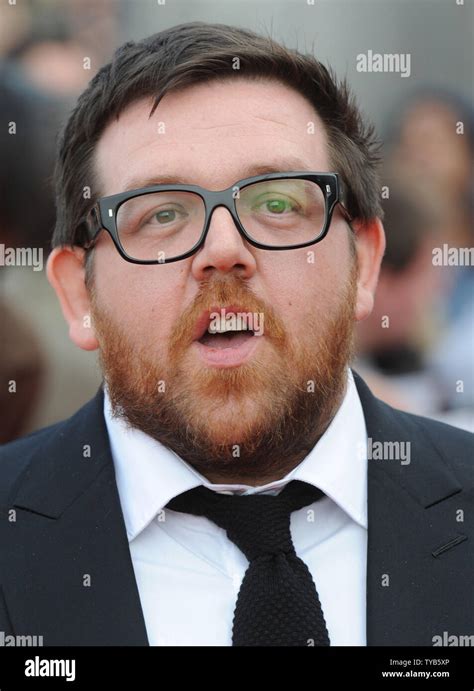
x=416 y=350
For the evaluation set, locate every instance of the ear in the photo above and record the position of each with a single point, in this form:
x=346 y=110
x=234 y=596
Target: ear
x=370 y=247
x=66 y=273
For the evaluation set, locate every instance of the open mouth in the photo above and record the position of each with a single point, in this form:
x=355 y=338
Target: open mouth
x=226 y=339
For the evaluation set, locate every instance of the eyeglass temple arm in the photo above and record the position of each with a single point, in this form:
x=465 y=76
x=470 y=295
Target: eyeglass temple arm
x=343 y=196
x=89 y=228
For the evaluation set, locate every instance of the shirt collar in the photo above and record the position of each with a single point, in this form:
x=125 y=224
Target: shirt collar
x=149 y=475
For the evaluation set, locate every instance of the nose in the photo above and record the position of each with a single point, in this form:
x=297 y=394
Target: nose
x=224 y=250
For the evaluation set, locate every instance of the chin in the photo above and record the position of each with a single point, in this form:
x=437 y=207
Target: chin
x=230 y=429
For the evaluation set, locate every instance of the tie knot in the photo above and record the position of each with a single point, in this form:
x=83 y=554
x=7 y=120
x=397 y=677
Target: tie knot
x=259 y=524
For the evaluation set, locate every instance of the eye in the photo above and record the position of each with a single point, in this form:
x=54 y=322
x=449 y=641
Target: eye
x=165 y=216
x=278 y=206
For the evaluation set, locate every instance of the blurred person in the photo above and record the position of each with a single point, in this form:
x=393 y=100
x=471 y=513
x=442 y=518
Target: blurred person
x=21 y=372
x=433 y=138
x=54 y=64
x=451 y=357
x=31 y=119
x=452 y=365
x=26 y=219
x=63 y=44
x=41 y=375
x=392 y=342
x=218 y=267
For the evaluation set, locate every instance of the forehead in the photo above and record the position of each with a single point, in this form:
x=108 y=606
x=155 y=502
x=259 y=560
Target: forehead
x=212 y=135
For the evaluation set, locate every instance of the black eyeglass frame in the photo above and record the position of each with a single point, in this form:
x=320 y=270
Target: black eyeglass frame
x=103 y=215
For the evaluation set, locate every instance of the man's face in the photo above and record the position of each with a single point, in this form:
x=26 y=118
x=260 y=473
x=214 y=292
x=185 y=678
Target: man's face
x=272 y=397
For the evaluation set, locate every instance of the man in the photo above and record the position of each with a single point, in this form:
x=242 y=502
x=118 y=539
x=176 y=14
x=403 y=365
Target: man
x=218 y=235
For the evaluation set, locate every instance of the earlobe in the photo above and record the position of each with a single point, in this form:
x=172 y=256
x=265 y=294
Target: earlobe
x=370 y=247
x=364 y=303
x=66 y=274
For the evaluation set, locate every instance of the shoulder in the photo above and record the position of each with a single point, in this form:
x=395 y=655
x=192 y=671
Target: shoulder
x=437 y=441
x=15 y=457
x=444 y=445
x=47 y=447
x=457 y=445
x=442 y=432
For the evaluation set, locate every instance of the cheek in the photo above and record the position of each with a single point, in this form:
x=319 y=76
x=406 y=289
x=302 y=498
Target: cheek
x=144 y=300
x=322 y=269
x=304 y=284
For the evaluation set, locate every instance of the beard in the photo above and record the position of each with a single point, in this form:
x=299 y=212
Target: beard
x=250 y=423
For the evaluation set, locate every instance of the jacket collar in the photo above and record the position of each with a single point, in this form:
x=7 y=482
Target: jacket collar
x=51 y=482
x=425 y=477
x=410 y=513
x=77 y=584
x=82 y=570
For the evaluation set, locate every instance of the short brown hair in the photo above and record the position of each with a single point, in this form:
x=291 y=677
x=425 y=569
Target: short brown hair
x=198 y=52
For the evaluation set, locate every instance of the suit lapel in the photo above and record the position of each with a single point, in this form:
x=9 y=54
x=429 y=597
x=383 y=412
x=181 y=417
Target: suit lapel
x=78 y=587
x=69 y=540
x=411 y=513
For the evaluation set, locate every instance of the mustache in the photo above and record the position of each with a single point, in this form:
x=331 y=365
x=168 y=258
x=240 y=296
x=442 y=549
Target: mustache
x=222 y=292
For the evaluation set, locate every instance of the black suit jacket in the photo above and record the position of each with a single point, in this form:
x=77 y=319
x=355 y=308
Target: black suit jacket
x=65 y=566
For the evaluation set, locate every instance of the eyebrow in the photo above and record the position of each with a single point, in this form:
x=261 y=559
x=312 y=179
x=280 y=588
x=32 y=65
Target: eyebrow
x=284 y=166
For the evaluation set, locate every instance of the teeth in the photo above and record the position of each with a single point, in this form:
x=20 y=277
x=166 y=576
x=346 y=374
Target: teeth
x=221 y=325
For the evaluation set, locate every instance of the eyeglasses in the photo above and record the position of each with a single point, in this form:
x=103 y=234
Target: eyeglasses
x=167 y=223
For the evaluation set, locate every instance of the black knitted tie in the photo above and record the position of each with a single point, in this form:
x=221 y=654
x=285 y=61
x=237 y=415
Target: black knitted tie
x=278 y=604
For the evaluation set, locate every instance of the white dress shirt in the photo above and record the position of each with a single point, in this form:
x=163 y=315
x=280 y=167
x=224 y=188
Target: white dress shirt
x=189 y=573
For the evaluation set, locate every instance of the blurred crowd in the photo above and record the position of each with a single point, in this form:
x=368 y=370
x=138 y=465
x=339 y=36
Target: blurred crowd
x=49 y=50
x=416 y=349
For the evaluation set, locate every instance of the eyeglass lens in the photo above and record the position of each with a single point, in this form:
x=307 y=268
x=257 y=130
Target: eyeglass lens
x=275 y=213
